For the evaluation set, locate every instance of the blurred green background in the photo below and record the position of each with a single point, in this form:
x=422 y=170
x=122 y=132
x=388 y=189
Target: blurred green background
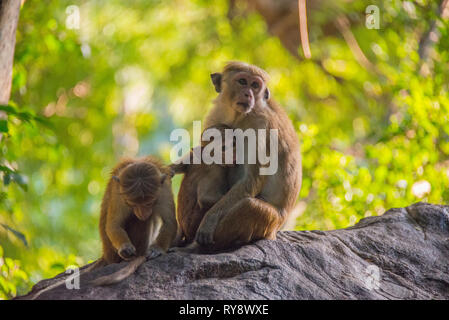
x=370 y=111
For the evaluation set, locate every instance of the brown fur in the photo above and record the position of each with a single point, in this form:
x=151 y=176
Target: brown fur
x=255 y=206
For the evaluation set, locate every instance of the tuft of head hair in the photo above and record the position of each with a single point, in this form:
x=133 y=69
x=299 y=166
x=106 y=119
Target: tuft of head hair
x=237 y=66
x=140 y=182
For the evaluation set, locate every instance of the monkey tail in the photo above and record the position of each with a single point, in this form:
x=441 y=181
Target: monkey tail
x=119 y=275
x=95 y=265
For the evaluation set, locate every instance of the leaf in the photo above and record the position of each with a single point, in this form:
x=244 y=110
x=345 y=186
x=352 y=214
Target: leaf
x=21 y=180
x=8 y=109
x=3 y=125
x=6 y=179
x=24 y=115
x=18 y=234
x=14 y=176
x=6 y=169
x=57 y=265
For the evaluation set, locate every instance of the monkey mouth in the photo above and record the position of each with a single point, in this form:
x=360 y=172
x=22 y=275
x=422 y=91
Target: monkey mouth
x=243 y=104
x=142 y=215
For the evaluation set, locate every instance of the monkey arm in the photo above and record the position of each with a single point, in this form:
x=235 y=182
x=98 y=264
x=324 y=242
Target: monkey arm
x=167 y=233
x=115 y=221
x=183 y=164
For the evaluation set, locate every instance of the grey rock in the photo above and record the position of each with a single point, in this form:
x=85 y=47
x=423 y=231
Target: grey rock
x=403 y=254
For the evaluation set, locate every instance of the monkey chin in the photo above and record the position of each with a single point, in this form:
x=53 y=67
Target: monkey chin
x=141 y=214
x=243 y=107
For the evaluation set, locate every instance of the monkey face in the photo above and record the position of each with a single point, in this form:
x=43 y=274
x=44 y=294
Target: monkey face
x=243 y=89
x=142 y=208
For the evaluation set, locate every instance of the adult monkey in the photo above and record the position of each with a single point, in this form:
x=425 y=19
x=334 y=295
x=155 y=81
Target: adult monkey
x=256 y=206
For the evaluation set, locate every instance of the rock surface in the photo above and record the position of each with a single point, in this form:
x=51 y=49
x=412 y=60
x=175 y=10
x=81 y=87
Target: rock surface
x=403 y=254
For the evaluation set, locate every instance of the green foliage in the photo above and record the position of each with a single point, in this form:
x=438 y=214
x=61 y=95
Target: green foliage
x=133 y=71
x=12 y=277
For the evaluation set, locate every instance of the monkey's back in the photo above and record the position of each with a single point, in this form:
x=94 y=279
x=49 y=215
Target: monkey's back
x=289 y=157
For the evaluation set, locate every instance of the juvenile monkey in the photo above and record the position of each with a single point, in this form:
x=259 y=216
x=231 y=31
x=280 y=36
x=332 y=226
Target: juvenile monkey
x=137 y=220
x=255 y=206
x=137 y=211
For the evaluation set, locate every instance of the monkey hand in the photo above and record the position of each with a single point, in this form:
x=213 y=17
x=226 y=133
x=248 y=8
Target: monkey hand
x=154 y=252
x=205 y=234
x=127 y=251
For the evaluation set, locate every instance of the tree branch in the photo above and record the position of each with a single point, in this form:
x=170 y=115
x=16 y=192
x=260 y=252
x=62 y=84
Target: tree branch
x=343 y=25
x=9 y=15
x=430 y=38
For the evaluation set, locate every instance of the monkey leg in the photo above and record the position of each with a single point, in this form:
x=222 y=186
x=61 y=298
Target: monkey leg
x=165 y=237
x=249 y=220
x=191 y=223
x=110 y=254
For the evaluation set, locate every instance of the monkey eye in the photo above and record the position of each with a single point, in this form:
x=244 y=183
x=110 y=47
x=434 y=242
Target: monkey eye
x=255 y=85
x=242 y=81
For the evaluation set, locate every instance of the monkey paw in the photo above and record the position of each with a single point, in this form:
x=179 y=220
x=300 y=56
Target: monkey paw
x=154 y=252
x=127 y=251
x=205 y=236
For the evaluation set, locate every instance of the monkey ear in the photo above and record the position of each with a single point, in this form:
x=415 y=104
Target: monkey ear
x=163 y=177
x=116 y=178
x=266 y=94
x=216 y=80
